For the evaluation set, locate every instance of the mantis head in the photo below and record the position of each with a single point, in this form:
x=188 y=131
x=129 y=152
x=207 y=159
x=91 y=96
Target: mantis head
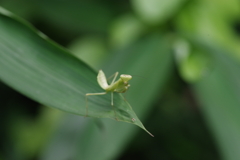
x=126 y=77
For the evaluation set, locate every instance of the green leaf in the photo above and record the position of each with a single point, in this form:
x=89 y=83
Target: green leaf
x=47 y=73
x=212 y=21
x=38 y=130
x=90 y=49
x=218 y=93
x=156 y=11
x=193 y=62
x=125 y=30
x=151 y=59
x=77 y=16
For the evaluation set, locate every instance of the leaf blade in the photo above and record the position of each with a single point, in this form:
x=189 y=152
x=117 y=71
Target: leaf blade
x=49 y=74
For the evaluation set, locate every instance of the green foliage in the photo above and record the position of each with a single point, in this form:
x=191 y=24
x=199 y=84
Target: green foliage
x=58 y=79
x=156 y=11
x=218 y=94
x=184 y=59
x=108 y=146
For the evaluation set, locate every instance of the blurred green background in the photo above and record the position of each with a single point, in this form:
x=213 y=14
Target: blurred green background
x=184 y=56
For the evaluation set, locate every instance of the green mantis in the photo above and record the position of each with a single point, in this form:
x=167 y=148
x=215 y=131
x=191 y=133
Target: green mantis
x=120 y=86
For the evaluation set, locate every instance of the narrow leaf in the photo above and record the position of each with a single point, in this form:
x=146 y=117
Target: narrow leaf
x=40 y=69
x=218 y=93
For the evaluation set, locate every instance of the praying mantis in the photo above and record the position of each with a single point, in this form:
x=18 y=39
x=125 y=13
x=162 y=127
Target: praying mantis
x=120 y=86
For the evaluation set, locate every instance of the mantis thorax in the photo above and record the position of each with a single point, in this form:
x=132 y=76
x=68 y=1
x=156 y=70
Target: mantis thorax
x=121 y=85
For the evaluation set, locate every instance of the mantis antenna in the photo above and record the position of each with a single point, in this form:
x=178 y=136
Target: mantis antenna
x=120 y=86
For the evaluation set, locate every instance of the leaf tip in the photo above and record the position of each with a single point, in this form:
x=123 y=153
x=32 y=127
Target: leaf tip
x=149 y=133
x=141 y=126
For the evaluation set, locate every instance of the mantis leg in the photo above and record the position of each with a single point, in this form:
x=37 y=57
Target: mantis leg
x=113 y=106
x=92 y=94
x=115 y=76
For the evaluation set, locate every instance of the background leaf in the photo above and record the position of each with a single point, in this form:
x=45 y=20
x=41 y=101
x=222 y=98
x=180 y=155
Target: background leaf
x=218 y=93
x=156 y=11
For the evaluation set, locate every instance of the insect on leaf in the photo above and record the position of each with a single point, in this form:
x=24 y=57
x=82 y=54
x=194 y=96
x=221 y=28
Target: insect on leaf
x=47 y=73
